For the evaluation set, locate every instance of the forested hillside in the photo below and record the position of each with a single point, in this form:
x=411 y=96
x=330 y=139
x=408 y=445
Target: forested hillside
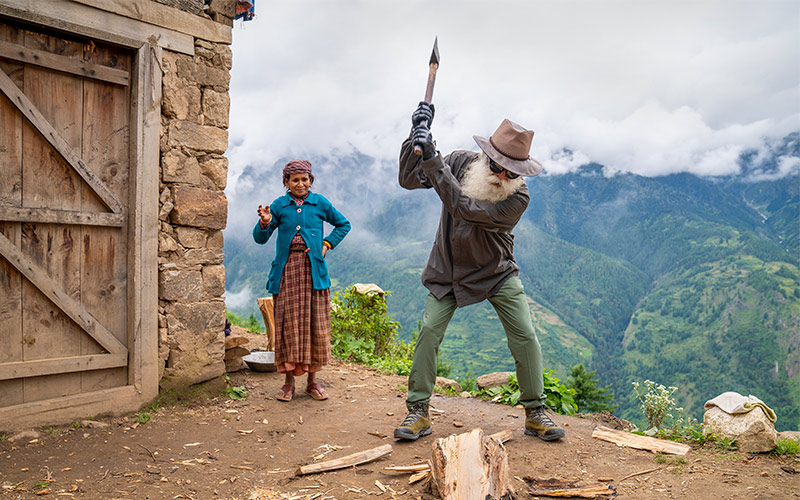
x=682 y=280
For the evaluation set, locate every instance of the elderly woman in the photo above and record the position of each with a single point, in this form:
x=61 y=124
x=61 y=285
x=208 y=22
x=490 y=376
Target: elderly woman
x=298 y=278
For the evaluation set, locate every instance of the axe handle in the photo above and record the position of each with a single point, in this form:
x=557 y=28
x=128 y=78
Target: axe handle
x=428 y=96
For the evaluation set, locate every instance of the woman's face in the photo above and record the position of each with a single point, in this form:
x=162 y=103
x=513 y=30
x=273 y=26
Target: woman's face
x=298 y=184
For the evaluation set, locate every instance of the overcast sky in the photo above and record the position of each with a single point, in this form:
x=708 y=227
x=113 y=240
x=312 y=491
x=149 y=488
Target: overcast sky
x=639 y=86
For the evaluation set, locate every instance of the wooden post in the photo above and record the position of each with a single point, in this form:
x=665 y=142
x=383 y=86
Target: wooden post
x=471 y=466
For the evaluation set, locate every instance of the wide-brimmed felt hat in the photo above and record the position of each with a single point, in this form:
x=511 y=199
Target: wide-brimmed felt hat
x=510 y=147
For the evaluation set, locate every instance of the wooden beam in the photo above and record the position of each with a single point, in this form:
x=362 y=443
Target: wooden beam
x=79 y=19
x=145 y=136
x=348 y=461
x=62 y=63
x=68 y=408
x=40 y=123
x=38 y=367
x=167 y=17
x=50 y=216
x=626 y=439
x=67 y=304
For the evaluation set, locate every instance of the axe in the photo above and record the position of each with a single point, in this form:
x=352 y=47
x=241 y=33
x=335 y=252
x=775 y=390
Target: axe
x=434 y=65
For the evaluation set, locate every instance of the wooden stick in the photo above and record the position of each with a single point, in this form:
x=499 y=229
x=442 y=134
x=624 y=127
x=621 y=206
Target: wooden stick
x=639 y=473
x=410 y=468
x=585 y=492
x=348 y=461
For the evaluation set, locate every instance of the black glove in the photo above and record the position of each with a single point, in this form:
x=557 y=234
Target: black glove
x=421 y=136
x=423 y=113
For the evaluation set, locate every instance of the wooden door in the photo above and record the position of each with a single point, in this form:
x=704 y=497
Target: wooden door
x=65 y=110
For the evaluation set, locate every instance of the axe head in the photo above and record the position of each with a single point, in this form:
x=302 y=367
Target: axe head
x=435 y=53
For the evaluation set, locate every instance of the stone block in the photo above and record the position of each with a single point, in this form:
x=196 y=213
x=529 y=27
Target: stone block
x=216 y=108
x=198 y=137
x=215 y=168
x=177 y=166
x=215 y=240
x=190 y=237
x=202 y=75
x=199 y=207
x=180 y=100
x=214 y=280
x=185 y=285
x=197 y=318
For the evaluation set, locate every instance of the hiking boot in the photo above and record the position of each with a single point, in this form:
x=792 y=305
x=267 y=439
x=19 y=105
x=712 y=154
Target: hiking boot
x=416 y=424
x=539 y=424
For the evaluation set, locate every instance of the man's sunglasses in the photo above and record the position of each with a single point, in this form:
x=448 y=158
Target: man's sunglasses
x=494 y=167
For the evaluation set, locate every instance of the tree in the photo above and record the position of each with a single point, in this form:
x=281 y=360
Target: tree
x=588 y=396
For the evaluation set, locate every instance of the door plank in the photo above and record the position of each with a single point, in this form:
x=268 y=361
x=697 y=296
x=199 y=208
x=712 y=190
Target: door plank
x=35 y=117
x=40 y=367
x=11 y=391
x=104 y=250
x=48 y=216
x=66 y=64
x=48 y=332
x=52 y=291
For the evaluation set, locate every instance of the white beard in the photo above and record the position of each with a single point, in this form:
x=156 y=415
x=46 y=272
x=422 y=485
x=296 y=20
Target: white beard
x=479 y=183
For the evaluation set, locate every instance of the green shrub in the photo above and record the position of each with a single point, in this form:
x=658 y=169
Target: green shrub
x=787 y=446
x=362 y=332
x=143 y=417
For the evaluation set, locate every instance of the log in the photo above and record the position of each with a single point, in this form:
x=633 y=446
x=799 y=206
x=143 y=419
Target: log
x=348 y=461
x=231 y=342
x=236 y=352
x=622 y=438
x=267 y=308
x=582 y=492
x=471 y=466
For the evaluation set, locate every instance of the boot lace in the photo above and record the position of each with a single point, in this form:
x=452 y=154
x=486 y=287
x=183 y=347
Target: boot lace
x=540 y=415
x=417 y=411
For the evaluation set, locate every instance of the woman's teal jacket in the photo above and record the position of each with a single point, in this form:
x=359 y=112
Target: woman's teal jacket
x=288 y=219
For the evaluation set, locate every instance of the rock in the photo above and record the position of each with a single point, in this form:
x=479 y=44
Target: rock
x=24 y=435
x=234 y=365
x=236 y=352
x=789 y=435
x=214 y=280
x=753 y=431
x=446 y=383
x=93 y=424
x=492 y=380
x=184 y=285
x=465 y=395
x=235 y=341
x=198 y=137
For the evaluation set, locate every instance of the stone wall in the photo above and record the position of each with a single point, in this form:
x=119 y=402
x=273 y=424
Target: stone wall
x=193 y=212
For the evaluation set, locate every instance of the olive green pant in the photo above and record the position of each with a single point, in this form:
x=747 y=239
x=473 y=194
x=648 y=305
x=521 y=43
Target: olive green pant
x=511 y=306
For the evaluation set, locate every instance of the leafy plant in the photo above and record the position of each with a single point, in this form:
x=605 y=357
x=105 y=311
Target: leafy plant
x=655 y=402
x=3 y=437
x=51 y=430
x=236 y=392
x=143 y=417
x=725 y=443
x=559 y=396
x=76 y=425
x=38 y=485
x=787 y=446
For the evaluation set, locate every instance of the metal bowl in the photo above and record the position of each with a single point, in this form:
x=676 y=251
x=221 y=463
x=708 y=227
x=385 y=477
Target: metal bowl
x=261 y=361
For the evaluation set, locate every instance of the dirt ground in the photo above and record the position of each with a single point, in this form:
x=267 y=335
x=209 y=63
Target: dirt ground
x=225 y=449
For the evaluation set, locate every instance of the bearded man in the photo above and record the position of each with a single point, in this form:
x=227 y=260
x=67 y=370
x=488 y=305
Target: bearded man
x=483 y=197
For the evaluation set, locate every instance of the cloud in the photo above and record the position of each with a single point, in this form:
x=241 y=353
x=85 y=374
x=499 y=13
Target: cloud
x=644 y=87
x=239 y=300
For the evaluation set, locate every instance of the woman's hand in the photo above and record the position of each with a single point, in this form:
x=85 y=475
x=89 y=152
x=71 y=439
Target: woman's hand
x=324 y=250
x=264 y=216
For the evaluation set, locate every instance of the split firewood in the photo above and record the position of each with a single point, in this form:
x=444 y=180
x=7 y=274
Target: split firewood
x=231 y=342
x=419 y=476
x=470 y=466
x=348 y=461
x=426 y=465
x=502 y=436
x=626 y=439
x=236 y=352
